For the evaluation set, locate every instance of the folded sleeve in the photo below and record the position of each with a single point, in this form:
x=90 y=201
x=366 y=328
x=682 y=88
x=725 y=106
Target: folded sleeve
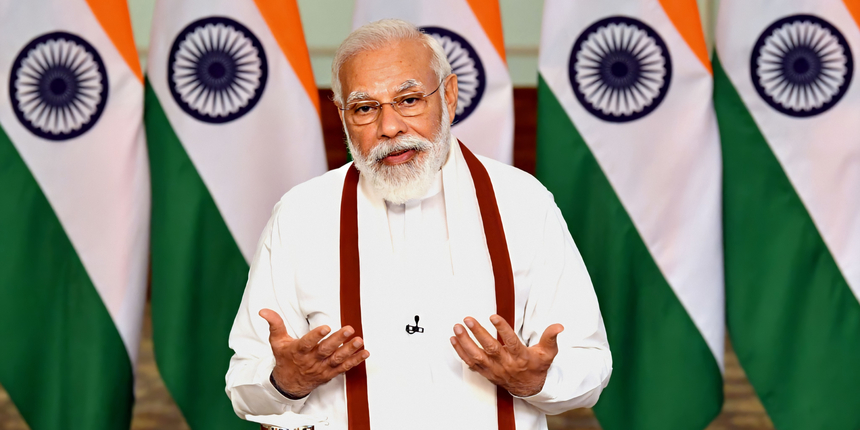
x=248 y=385
x=561 y=292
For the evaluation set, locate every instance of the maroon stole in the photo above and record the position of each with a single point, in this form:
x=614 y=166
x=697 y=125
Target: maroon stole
x=350 y=293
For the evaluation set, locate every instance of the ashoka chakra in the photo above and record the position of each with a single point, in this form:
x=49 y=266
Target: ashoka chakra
x=620 y=69
x=217 y=70
x=801 y=65
x=58 y=86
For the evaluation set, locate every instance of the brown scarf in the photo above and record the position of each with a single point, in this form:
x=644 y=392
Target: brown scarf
x=350 y=289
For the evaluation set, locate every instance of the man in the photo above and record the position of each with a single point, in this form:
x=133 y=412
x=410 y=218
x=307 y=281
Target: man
x=423 y=247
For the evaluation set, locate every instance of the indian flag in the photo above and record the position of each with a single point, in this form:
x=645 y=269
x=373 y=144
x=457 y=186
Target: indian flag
x=470 y=31
x=788 y=102
x=74 y=211
x=232 y=120
x=628 y=144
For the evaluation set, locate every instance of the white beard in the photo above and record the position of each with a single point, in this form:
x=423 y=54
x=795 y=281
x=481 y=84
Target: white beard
x=412 y=179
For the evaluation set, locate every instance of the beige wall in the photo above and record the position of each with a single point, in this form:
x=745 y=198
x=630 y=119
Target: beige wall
x=327 y=22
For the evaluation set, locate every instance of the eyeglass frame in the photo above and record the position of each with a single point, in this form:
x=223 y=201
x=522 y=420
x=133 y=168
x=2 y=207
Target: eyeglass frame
x=393 y=103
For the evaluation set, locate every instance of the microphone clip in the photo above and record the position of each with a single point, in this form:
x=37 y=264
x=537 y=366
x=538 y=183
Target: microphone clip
x=414 y=328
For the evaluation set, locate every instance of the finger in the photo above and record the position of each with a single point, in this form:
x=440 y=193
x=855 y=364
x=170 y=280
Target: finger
x=473 y=366
x=470 y=348
x=549 y=339
x=345 y=351
x=462 y=354
x=330 y=344
x=277 y=329
x=352 y=361
x=309 y=341
x=491 y=346
x=508 y=336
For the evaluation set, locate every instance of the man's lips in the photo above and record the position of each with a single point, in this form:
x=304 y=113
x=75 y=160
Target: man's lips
x=399 y=157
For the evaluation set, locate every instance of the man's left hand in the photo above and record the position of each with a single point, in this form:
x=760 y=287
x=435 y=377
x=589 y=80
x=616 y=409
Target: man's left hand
x=513 y=366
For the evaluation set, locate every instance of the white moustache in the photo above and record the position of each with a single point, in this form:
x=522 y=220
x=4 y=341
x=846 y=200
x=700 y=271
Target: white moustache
x=399 y=144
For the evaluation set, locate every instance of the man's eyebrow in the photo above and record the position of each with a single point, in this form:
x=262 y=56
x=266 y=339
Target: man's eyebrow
x=362 y=95
x=356 y=96
x=408 y=84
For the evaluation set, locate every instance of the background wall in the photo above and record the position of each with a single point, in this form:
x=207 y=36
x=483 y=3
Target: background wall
x=328 y=22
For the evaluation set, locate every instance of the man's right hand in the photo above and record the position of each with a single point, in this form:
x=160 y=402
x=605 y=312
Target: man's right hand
x=304 y=364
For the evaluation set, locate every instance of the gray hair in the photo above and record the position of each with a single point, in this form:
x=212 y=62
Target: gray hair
x=377 y=35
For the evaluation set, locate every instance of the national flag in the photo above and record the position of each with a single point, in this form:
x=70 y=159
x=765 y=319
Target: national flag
x=788 y=102
x=232 y=119
x=470 y=31
x=628 y=144
x=74 y=211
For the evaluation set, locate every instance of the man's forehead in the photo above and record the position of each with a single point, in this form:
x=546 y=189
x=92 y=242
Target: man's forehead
x=398 y=66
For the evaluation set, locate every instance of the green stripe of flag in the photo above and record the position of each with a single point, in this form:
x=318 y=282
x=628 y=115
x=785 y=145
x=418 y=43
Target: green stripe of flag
x=198 y=277
x=63 y=362
x=664 y=375
x=794 y=322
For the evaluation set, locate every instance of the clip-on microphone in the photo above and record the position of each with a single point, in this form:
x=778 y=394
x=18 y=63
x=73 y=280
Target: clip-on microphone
x=414 y=328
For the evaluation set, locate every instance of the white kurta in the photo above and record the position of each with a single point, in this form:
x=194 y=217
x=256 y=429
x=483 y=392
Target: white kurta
x=426 y=258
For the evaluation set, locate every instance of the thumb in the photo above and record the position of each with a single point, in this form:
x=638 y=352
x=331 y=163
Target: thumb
x=277 y=329
x=549 y=339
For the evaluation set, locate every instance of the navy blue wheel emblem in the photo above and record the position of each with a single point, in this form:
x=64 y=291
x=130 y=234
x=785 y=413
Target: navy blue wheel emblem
x=620 y=69
x=217 y=70
x=801 y=65
x=58 y=86
x=467 y=65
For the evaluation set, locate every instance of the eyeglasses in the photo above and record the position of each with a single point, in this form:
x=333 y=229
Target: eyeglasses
x=367 y=111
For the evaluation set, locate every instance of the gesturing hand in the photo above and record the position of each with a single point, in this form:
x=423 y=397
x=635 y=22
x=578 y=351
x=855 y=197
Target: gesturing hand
x=519 y=369
x=304 y=364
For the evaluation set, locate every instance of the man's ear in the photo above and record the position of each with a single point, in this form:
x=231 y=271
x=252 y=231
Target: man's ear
x=451 y=94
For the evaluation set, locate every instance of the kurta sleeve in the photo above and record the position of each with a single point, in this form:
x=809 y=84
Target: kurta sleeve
x=561 y=292
x=248 y=385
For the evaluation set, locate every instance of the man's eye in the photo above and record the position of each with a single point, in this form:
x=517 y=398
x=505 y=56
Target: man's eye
x=409 y=101
x=363 y=109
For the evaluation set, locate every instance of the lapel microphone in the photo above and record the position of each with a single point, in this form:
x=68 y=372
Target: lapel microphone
x=414 y=328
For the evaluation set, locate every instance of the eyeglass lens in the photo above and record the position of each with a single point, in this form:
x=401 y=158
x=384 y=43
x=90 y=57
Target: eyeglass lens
x=406 y=105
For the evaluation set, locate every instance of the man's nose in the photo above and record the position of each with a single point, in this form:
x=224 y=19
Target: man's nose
x=390 y=122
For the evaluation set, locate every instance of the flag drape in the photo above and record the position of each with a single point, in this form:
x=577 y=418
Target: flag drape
x=788 y=104
x=627 y=143
x=232 y=118
x=74 y=211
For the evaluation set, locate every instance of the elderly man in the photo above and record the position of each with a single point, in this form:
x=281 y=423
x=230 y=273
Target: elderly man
x=419 y=287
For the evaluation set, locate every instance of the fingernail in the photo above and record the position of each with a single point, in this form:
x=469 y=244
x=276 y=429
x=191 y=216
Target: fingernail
x=469 y=322
x=365 y=354
x=325 y=331
x=458 y=329
x=453 y=341
x=357 y=343
x=347 y=333
x=494 y=319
